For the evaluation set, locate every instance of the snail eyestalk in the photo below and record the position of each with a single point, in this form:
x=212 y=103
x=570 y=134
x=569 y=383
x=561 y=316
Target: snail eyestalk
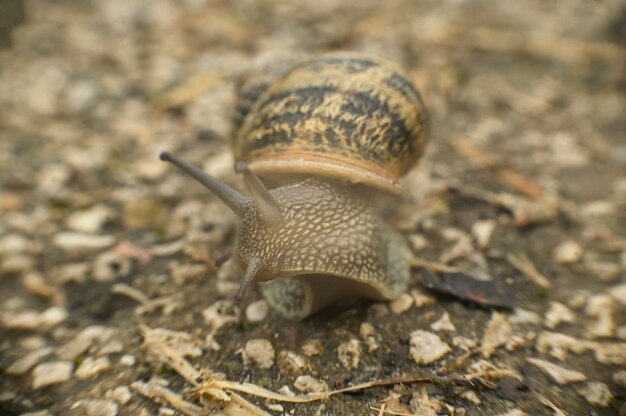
x=254 y=264
x=231 y=197
x=265 y=202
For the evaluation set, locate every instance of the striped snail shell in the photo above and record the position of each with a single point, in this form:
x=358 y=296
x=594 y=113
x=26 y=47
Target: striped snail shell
x=331 y=135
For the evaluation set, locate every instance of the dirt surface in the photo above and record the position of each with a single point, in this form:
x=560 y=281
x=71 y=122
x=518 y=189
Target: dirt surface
x=101 y=244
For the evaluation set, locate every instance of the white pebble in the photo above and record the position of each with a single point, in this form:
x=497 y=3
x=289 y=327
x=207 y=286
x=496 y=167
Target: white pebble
x=349 y=354
x=92 y=367
x=482 y=231
x=426 y=347
x=443 y=324
x=309 y=384
x=568 y=252
x=91 y=220
x=127 y=360
x=619 y=293
x=31 y=320
x=121 y=394
x=597 y=394
x=602 y=310
x=368 y=333
x=257 y=311
x=557 y=314
x=259 y=352
x=51 y=373
x=24 y=364
x=290 y=362
x=312 y=347
x=523 y=316
x=402 y=304
x=110 y=266
x=95 y=407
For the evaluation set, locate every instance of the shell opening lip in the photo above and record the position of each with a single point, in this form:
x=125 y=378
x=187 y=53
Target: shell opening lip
x=330 y=169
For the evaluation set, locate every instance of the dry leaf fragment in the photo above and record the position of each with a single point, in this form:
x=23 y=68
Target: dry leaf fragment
x=522 y=263
x=497 y=333
x=559 y=374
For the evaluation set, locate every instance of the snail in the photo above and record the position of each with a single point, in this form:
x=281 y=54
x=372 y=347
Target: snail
x=333 y=135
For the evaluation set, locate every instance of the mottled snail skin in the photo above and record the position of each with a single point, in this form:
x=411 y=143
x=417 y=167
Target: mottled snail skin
x=344 y=115
x=328 y=229
x=336 y=133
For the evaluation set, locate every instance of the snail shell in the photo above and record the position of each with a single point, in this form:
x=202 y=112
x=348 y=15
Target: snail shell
x=316 y=130
x=346 y=116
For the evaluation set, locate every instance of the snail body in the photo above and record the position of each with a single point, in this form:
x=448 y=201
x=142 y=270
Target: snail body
x=334 y=134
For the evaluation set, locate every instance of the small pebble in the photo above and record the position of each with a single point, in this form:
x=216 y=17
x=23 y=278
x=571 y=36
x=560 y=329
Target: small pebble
x=523 y=316
x=497 y=333
x=463 y=343
x=36 y=284
x=221 y=313
x=619 y=293
x=257 y=311
x=182 y=342
x=402 y=304
x=471 y=396
x=121 y=394
x=73 y=241
x=558 y=314
x=91 y=220
x=557 y=345
x=290 y=362
x=39 y=413
x=71 y=273
x=88 y=337
x=92 y=367
x=108 y=267
x=619 y=377
x=24 y=364
x=443 y=324
x=601 y=309
x=568 y=252
x=7 y=396
x=597 y=394
x=482 y=232
x=559 y=374
x=143 y=212
x=308 y=384
x=94 y=407
x=31 y=320
x=418 y=242
x=349 y=354
x=368 y=333
x=421 y=298
x=17 y=264
x=259 y=352
x=312 y=347
x=513 y=412
x=47 y=374
x=426 y=347
x=185 y=273
x=127 y=360
x=604 y=271
x=613 y=353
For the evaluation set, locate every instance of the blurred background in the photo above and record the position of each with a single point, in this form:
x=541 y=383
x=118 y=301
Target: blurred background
x=91 y=92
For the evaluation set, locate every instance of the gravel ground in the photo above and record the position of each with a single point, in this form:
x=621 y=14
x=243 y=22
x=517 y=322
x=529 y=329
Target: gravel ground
x=110 y=300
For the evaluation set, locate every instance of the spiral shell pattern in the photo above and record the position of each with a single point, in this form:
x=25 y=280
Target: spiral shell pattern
x=352 y=117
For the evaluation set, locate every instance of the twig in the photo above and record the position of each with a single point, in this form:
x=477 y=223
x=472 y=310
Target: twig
x=522 y=263
x=417 y=262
